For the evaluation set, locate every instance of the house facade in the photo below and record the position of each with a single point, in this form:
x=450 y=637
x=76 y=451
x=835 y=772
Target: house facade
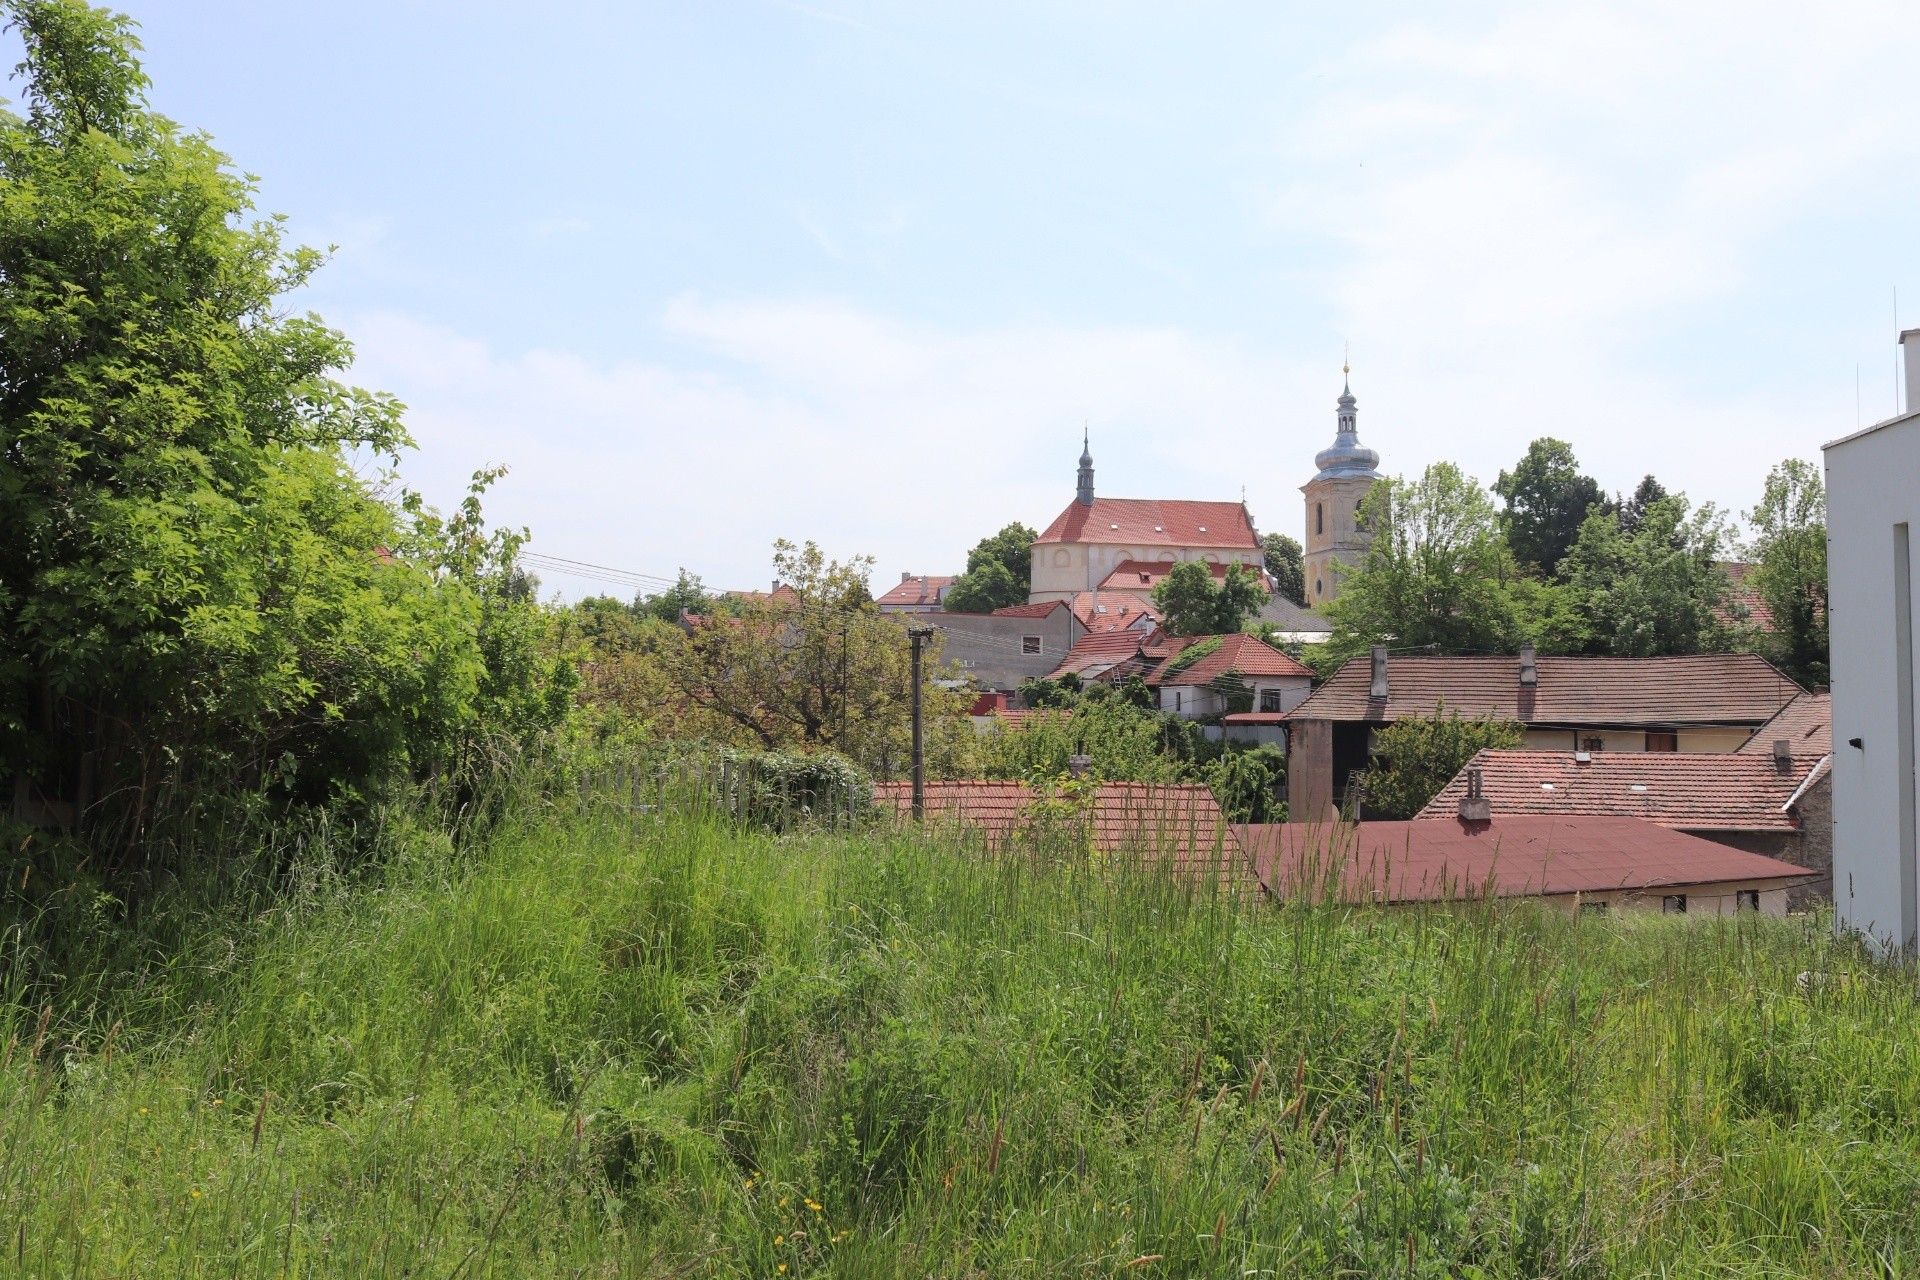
x=1000 y=650
x=1873 y=509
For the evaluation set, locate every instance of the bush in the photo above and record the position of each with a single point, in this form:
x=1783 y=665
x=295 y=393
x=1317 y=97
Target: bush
x=1413 y=760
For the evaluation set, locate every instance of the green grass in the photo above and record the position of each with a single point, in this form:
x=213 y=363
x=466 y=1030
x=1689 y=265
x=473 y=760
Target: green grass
x=605 y=1045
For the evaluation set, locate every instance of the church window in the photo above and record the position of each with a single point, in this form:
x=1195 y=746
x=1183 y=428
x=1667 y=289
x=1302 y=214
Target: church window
x=1319 y=517
x=1318 y=589
x=1061 y=557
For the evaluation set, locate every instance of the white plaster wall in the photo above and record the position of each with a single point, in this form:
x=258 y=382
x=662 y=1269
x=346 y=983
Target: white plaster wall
x=1873 y=485
x=1062 y=569
x=1704 y=741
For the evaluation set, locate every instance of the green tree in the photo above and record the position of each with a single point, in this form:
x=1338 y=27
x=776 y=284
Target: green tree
x=1789 y=551
x=1660 y=589
x=1547 y=500
x=201 y=591
x=687 y=593
x=1286 y=564
x=1193 y=603
x=983 y=589
x=999 y=571
x=1414 y=759
x=1437 y=572
x=1633 y=509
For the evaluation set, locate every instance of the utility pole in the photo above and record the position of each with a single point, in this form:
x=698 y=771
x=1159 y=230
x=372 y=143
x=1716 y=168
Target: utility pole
x=918 y=636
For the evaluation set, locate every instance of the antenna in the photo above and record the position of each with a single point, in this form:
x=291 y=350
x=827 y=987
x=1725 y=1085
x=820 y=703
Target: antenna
x=1856 y=395
x=1896 y=350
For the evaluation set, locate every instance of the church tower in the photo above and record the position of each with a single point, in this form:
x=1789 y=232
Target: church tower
x=1348 y=470
x=1084 y=493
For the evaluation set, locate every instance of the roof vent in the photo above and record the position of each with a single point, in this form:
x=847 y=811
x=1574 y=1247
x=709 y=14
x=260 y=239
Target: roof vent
x=1546 y=786
x=1474 y=806
x=1638 y=788
x=1782 y=756
x=1378 y=689
x=1203 y=528
x=1529 y=668
x=1583 y=757
x=1113 y=526
x=1159 y=528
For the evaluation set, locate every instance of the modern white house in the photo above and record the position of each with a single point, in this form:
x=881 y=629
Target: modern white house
x=1873 y=508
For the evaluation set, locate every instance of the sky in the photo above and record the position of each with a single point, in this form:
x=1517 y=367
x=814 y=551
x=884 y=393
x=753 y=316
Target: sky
x=702 y=276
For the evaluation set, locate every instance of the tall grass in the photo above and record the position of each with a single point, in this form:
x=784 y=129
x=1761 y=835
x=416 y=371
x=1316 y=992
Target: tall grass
x=637 y=1040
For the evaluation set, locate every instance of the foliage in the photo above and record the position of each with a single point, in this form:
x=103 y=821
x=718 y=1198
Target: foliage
x=999 y=571
x=1204 y=647
x=687 y=595
x=815 y=667
x=1547 y=501
x=1414 y=759
x=613 y=1042
x=1658 y=590
x=983 y=590
x=1286 y=564
x=1192 y=603
x=1437 y=571
x=779 y=791
x=1633 y=509
x=1789 y=551
x=205 y=599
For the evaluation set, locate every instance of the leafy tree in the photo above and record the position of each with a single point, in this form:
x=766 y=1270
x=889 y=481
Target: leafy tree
x=1414 y=759
x=999 y=571
x=202 y=593
x=1286 y=563
x=687 y=593
x=1192 y=603
x=983 y=589
x=1437 y=572
x=1547 y=500
x=1634 y=509
x=1658 y=590
x=1789 y=551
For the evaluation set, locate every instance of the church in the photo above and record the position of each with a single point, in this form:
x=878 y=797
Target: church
x=1126 y=545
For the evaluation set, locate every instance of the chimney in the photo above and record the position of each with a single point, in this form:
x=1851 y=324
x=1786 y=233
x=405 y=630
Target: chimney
x=1910 y=348
x=1474 y=806
x=1529 y=668
x=1378 y=689
x=1782 y=757
x=1077 y=765
x=905 y=576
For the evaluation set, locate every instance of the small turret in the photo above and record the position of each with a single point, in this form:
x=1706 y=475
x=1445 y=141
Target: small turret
x=1085 y=495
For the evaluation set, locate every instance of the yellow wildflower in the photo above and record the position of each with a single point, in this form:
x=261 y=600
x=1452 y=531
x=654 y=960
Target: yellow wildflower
x=783 y=1268
x=195 y=1193
x=143 y=1111
x=216 y=1102
x=778 y=1241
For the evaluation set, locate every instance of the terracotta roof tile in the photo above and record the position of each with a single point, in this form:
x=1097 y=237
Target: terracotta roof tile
x=1689 y=792
x=1241 y=653
x=1176 y=823
x=1430 y=860
x=1039 y=610
x=1145 y=575
x=1154 y=522
x=1099 y=652
x=1806 y=723
x=1111 y=611
x=921 y=590
x=1704 y=689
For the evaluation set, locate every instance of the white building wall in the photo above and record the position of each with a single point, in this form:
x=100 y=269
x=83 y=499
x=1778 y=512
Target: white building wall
x=1873 y=514
x=1063 y=569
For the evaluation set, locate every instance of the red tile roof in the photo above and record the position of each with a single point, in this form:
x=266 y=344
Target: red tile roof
x=1145 y=575
x=1110 y=611
x=1240 y=653
x=1430 y=860
x=1806 y=723
x=1099 y=652
x=1040 y=610
x=1705 y=689
x=1691 y=792
x=922 y=590
x=1153 y=522
x=1175 y=823
x=1745 y=595
x=1254 y=717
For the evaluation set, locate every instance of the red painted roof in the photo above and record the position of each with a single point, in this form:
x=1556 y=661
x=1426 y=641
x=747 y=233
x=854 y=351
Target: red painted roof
x=1177 y=823
x=1040 y=610
x=921 y=590
x=1690 y=792
x=1705 y=689
x=1154 y=522
x=1430 y=860
x=1145 y=575
x=1099 y=652
x=1110 y=611
x=1806 y=723
x=1240 y=653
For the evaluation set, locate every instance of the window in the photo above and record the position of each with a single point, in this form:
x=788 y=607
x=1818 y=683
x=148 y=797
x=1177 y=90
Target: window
x=1030 y=644
x=1179 y=699
x=1061 y=557
x=1747 y=900
x=1319 y=517
x=1674 y=904
x=1657 y=741
x=1589 y=907
x=1593 y=745
x=1318 y=589
x=1270 y=700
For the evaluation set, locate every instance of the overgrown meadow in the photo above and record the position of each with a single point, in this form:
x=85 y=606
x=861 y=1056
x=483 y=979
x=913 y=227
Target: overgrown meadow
x=612 y=1039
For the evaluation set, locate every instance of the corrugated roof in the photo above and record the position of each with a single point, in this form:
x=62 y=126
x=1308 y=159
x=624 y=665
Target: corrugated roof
x=1690 y=792
x=1176 y=823
x=1240 y=653
x=1806 y=723
x=1154 y=522
x=1704 y=689
x=1430 y=860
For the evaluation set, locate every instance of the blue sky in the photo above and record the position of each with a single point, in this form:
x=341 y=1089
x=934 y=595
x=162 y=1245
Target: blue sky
x=706 y=275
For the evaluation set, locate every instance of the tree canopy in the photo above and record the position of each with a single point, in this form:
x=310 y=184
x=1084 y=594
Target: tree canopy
x=1789 y=551
x=1547 y=501
x=1414 y=759
x=1286 y=564
x=1659 y=589
x=999 y=571
x=1193 y=603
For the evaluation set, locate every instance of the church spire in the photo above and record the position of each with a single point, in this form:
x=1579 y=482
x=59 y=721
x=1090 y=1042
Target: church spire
x=1347 y=456
x=1085 y=495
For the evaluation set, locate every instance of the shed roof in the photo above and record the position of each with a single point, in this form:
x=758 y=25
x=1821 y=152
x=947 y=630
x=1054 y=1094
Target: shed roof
x=1689 y=792
x=1676 y=692
x=1533 y=855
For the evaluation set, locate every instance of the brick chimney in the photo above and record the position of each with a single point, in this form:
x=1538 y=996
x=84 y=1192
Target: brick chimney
x=1474 y=806
x=1782 y=757
x=1529 y=668
x=1378 y=689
